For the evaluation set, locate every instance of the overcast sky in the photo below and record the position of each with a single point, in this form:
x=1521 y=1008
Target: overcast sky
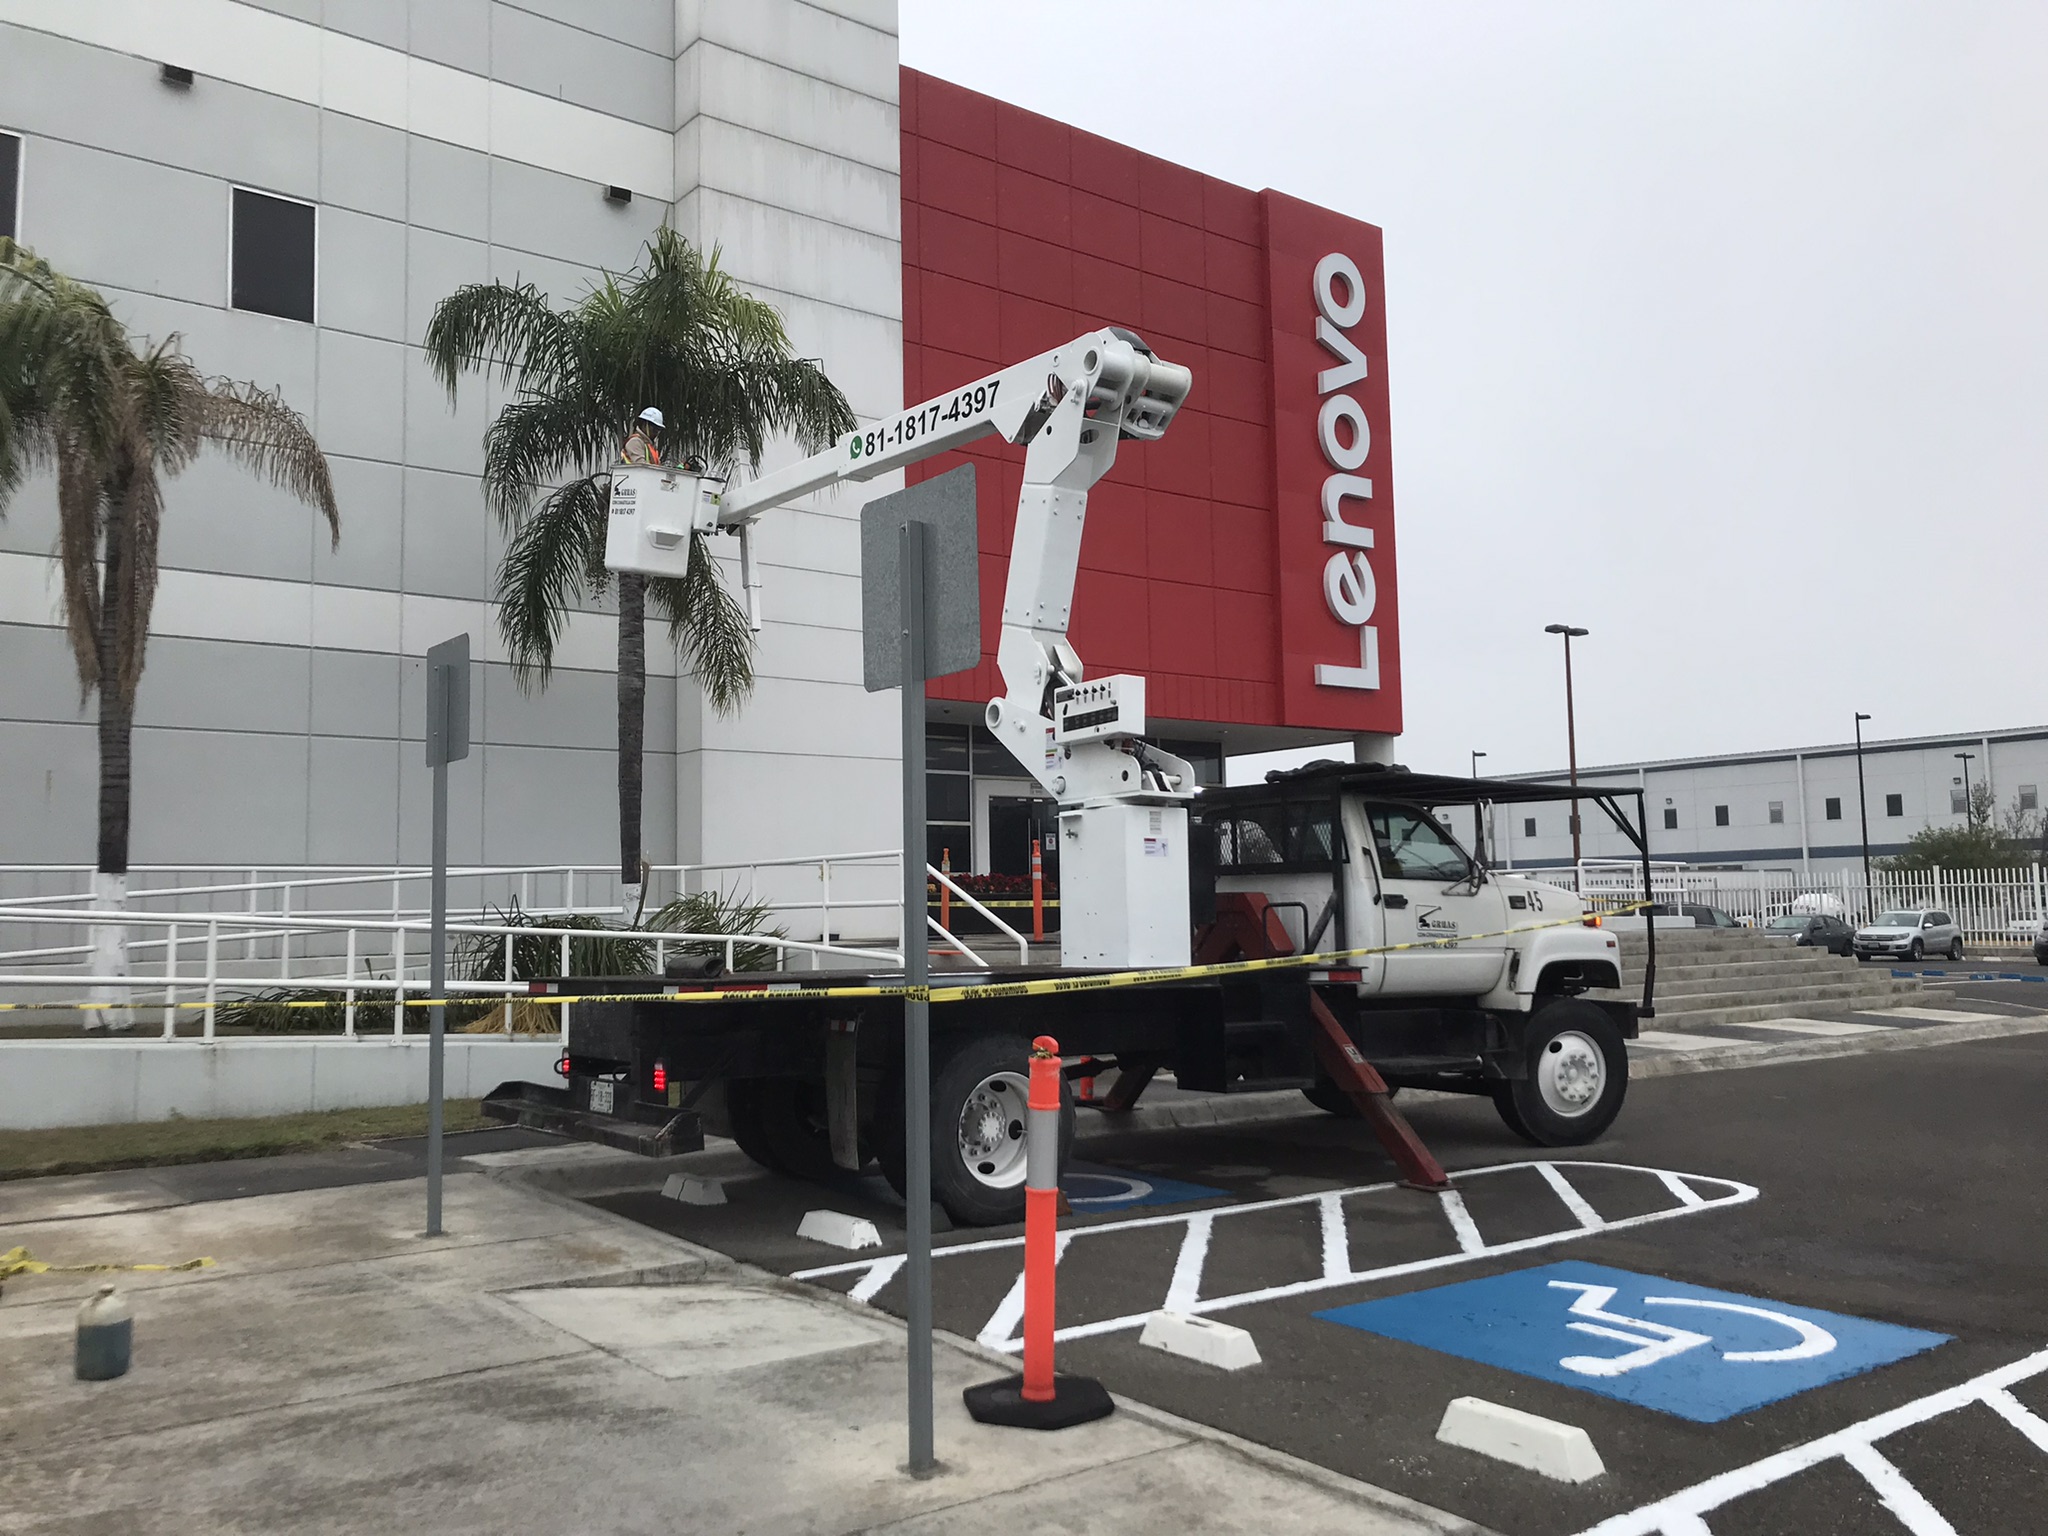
x=1718 y=329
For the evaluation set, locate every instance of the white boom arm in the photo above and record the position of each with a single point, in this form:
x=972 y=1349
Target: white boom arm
x=1080 y=739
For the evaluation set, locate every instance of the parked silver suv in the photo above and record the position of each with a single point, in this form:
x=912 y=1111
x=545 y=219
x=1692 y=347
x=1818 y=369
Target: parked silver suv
x=1912 y=934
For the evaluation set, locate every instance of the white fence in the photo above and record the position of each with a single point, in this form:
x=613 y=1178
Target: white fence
x=1994 y=906
x=193 y=948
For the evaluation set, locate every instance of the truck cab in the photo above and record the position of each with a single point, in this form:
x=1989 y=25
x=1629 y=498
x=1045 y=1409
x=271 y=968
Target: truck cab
x=1446 y=974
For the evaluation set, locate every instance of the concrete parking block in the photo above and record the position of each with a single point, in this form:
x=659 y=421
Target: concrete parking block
x=1561 y=1452
x=691 y=1191
x=839 y=1229
x=1223 y=1345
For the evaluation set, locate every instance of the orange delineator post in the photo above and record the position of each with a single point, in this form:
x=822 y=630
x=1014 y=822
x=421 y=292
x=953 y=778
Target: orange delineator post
x=1040 y=1398
x=1037 y=894
x=1041 y=1217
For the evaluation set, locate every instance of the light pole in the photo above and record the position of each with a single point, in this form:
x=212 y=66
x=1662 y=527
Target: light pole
x=1478 y=825
x=1571 y=729
x=1969 y=806
x=1863 y=815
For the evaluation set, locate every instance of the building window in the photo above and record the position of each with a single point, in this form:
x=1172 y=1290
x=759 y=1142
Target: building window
x=272 y=262
x=1720 y=815
x=948 y=799
x=1958 y=803
x=1777 y=813
x=10 y=186
x=1895 y=805
x=2030 y=798
x=1528 y=826
x=1834 y=808
x=1670 y=819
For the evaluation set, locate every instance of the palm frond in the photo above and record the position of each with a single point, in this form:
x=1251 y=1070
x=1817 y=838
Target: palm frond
x=254 y=427
x=135 y=518
x=78 y=546
x=542 y=573
x=503 y=328
x=708 y=627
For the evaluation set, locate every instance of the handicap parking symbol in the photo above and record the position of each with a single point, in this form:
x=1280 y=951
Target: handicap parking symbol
x=1090 y=1187
x=1681 y=1349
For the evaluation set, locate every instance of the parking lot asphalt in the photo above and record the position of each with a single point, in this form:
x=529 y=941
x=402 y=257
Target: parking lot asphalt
x=1899 y=1187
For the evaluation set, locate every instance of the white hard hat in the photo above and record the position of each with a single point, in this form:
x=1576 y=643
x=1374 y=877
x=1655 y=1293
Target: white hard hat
x=651 y=414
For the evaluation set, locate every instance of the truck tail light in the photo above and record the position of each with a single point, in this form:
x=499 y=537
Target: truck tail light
x=660 y=1078
x=1592 y=919
x=562 y=1067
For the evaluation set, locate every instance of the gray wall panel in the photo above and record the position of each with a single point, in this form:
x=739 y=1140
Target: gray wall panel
x=454 y=32
x=576 y=709
x=354 y=694
x=69 y=90
x=355 y=801
x=218 y=685
x=145 y=227
x=448 y=188
x=648 y=24
x=28 y=524
x=445 y=535
x=575 y=65
x=298 y=10
x=362 y=274
x=559 y=216
x=362 y=388
x=38 y=680
x=220 y=517
x=436 y=265
x=362 y=165
x=375 y=21
x=219 y=797
x=369 y=493
x=549 y=804
x=438 y=435
x=52 y=776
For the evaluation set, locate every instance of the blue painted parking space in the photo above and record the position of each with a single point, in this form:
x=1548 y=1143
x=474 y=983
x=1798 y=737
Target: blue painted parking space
x=1091 y=1187
x=1685 y=1350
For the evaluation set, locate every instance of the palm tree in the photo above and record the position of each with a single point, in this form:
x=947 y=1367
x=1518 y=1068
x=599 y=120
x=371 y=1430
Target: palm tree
x=675 y=333
x=115 y=417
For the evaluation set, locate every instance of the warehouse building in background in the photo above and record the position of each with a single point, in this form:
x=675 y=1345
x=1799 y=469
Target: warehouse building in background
x=290 y=186
x=1791 y=810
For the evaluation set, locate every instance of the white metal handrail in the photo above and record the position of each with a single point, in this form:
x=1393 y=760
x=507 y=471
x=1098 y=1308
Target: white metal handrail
x=933 y=872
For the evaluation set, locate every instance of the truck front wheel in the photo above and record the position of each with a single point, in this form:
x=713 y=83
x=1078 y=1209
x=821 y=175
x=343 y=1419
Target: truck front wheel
x=980 y=1093
x=1577 y=1076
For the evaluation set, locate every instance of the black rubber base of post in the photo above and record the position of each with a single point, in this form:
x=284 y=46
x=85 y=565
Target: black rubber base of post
x=1075 y=1400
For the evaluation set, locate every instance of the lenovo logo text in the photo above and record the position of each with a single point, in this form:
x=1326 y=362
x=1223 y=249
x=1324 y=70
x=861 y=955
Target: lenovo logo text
x=1346 y=439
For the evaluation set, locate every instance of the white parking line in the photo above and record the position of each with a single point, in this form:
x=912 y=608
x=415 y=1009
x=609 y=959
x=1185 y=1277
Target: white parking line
x=1672 y=1040
x=1683 y=1513
x=1184 y=1289
x=1937 y=1015
x=1818 y=1027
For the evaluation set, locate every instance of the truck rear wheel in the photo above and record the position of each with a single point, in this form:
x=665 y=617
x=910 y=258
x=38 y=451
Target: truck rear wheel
x=980 y=1092
x=1577 y=1077
x=779 y=1122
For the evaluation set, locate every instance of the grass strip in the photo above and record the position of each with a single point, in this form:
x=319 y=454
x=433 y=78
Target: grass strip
x=165 y=1143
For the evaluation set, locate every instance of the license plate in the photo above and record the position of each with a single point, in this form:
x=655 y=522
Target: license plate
x=601 y=1097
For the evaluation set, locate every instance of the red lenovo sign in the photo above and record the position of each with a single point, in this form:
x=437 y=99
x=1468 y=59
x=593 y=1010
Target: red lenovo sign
x=1340 y=647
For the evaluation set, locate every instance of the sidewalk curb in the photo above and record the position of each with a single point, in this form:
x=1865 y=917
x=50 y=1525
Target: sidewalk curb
x=706 y=1263
x=1723 y=1058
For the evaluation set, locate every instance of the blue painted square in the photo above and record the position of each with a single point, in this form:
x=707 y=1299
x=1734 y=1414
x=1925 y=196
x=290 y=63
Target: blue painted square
x=1681 y=1349
x=1091 y=1187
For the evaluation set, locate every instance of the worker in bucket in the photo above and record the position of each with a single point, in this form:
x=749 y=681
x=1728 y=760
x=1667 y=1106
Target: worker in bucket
x=641 y=446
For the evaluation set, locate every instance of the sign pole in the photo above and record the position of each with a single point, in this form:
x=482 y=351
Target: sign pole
x=917 y=1041
x=437 y=974
x=447 y=736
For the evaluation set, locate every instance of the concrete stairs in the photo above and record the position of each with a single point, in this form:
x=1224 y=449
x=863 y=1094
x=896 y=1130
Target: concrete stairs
x=1721 y=976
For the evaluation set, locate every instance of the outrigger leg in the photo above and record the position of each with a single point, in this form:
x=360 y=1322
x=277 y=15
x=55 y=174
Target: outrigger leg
x=1352 y=1073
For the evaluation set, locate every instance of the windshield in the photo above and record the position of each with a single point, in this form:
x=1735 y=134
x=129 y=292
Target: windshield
x=1898 y=920
x=1788 y=922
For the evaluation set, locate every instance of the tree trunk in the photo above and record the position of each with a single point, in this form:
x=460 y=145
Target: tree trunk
x=116 y=726
x=632 y=732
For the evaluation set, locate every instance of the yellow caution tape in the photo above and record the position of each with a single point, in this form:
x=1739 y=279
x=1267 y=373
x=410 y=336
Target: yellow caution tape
x=16 y=1261
x=775 y=993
